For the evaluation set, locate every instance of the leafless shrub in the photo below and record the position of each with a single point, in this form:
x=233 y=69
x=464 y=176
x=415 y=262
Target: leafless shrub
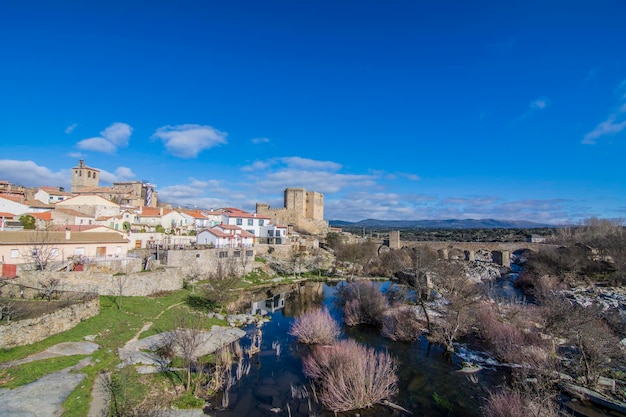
x=507 y=339
x=363 y=303
x=351 y=376
x=595 y=344
x=316 y=327
x=505 y=404
x=402 y=324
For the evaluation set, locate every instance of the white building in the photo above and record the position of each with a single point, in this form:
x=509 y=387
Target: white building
x=225 y=236
x=13 y=204
x=51 y=195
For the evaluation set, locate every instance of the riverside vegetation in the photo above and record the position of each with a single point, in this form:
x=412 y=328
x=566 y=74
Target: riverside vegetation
x=554 y=341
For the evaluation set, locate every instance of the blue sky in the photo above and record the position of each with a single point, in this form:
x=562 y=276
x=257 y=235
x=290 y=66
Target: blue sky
x=393 y=110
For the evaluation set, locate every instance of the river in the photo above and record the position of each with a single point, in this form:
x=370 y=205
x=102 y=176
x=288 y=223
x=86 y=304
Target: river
x=428 y=381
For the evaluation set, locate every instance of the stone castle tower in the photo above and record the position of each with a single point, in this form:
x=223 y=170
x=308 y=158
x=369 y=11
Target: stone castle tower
x=303 y=210
x=84 y=177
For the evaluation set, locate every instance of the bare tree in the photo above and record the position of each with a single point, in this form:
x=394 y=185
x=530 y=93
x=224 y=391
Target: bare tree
x=316 y=261
x=187 y=339
x=297 y=259
x=247 y=257
x=356 y=254
x=460 y=295
x=120 y=281
x=41 y=250
x=49 y=288
x=8 y=310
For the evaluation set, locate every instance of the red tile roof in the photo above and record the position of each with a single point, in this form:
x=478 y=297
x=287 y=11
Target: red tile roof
x=13 y=197
x=154 y=211
x=45 y=216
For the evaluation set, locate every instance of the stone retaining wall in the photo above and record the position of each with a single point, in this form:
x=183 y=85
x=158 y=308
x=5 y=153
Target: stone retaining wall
x=134 y=284
x=24 y=332
x=209 y=263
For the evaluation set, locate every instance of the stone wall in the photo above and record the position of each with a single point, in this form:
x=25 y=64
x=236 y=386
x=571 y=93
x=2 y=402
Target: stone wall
x=24 y=332
x=133 y=284
x=209 y=263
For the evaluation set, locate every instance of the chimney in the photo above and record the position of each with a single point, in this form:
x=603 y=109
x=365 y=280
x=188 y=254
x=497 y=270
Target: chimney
x=161 y=211
x=68 y=233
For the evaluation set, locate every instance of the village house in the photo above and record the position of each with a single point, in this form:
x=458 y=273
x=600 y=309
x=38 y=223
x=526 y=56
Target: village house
x=225 y=236
x=53 y=249
x=7 y=220
x=259 y=225
x=91 y=205
x=13 y=204
x=43 y=221
x=170 y=220
x=66 y=216
x=200 y=219
x=52 y=195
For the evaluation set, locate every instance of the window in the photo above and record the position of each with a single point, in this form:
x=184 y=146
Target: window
x=54 y=252
x=249 y=253
x=237 y=254
x=261 y=222
x=250 y=231
x=223 y=255
x=239 y=222
x=250 y=222
x=15 y=253
x=79 y=251
x=270 y=233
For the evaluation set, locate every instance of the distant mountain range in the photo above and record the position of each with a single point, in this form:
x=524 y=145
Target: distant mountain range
x=441 y=224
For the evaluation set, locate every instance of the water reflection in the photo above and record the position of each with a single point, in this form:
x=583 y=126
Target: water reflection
x=429 y=381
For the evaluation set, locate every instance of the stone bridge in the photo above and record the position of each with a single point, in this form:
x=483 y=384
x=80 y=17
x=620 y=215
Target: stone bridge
x=496 y=252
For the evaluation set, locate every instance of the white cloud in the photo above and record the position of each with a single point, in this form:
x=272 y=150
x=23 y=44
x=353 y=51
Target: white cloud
x=193 y=194
x=124 y=173
x=257 y=141
x=473 y=201
x=97 y=145
x=322 y=176
x=534 y=106
x=29 y=174
x=187 y=141
x=118 y=134
x=539 y=104
x=256 y=165
x=120 y=174
x=298 y=162
x=111 y=138
x=615 y=123
x=71 y=128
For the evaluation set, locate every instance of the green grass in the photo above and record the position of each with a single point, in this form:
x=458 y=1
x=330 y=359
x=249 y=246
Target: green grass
x=118 y=322
x=32 y=371
x=187 y=401
x=111 y=329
